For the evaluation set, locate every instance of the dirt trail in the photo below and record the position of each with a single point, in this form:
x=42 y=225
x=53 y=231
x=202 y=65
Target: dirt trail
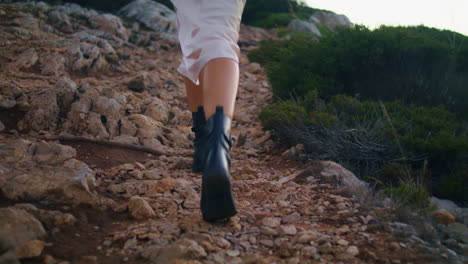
x=148 y=209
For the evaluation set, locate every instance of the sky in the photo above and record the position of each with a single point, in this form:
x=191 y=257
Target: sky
x=442 y=14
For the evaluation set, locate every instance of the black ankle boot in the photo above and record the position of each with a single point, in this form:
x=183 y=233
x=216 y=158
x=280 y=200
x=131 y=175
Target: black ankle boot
x=217 y=201
x=198 y=128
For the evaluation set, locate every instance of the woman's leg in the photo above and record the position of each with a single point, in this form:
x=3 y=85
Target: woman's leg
x=219 y=80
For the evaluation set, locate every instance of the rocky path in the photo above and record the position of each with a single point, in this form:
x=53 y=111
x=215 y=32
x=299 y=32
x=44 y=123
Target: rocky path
x=72 y=71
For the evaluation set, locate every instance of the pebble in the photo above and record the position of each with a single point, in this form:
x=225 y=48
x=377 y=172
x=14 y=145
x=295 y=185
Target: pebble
x=292 y=218
x=222 y=243
x=352 y=250
x=309 y=251
x=325 y=248
x=268 y=231
x=233 y=253
x=271 y=221
x=267 y=242
x=289 y=230
x=342 y=242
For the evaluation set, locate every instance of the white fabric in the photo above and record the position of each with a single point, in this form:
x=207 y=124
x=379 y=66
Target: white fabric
x=207 y=29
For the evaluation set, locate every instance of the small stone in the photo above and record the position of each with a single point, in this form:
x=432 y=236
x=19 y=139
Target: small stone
x=267 y=242
x=394 y=246
x=233 y=253
x=306 y=238
x=342 y=242
x=353 y=251
x=48 y=259
x=140 y=82
x=2 y=126
x=341 y=206
x=309 y=251
x=222 y=243
x=444 y=217
x=139 y=208
x=271 y=221
x=287 y=230
x=268 y=231
x=162 y=186
x=30 y=249
x=292 y=218
x=325 y=248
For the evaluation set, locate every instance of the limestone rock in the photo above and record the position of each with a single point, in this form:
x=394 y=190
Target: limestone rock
x=66 y=92
x=52 y=64
x=154 y=16
x=43 y=113
x=9 y=93
x=110 y=24
x=26 y=59
x=140 y=82
x=45 y=171
x=331 y=20
x=271 y=222
x=158 y=110
x=444 y=217
x=50 y=219
x=18 y=227
x=147 y=126
x=304 y=27
x=84 y=57
x=447 y=205
x=139 y=208
x=336 y=174
x=30 y=249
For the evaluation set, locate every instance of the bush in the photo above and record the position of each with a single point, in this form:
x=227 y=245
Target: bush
x=274 y=13
x=413 y=64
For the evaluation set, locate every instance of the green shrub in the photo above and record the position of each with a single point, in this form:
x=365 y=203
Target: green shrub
x=416 y=197
x=273 y=13
x=417 y=65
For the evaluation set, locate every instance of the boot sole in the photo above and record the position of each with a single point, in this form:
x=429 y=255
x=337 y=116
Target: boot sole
x=217 y=199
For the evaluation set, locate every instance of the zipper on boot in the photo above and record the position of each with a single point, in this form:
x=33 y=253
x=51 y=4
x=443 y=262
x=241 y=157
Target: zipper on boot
x=199 y=123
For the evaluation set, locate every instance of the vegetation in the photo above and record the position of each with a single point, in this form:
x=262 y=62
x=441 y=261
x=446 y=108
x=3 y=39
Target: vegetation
x=274 y=13
x=378 y=101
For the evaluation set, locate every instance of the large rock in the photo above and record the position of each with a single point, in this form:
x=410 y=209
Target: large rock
x=110 y=24
x=49 y=219
x=448 y=206
x=45 y=171
x=328 y=172
x=84 y=57
x=304 y=27
x=66 y=93
x=43 y=113
x=147 y=126
x=154 y=16
x=9 y=94
x=330 y=20
x=17 y=227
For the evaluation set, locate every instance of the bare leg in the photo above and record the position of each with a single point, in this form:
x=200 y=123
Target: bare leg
x=219 y=80
x=194 y=94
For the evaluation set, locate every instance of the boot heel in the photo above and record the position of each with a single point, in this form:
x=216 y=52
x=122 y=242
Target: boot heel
x=217 y=200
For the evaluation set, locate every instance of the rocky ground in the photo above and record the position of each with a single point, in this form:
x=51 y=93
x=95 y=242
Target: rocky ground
x=80 y=89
